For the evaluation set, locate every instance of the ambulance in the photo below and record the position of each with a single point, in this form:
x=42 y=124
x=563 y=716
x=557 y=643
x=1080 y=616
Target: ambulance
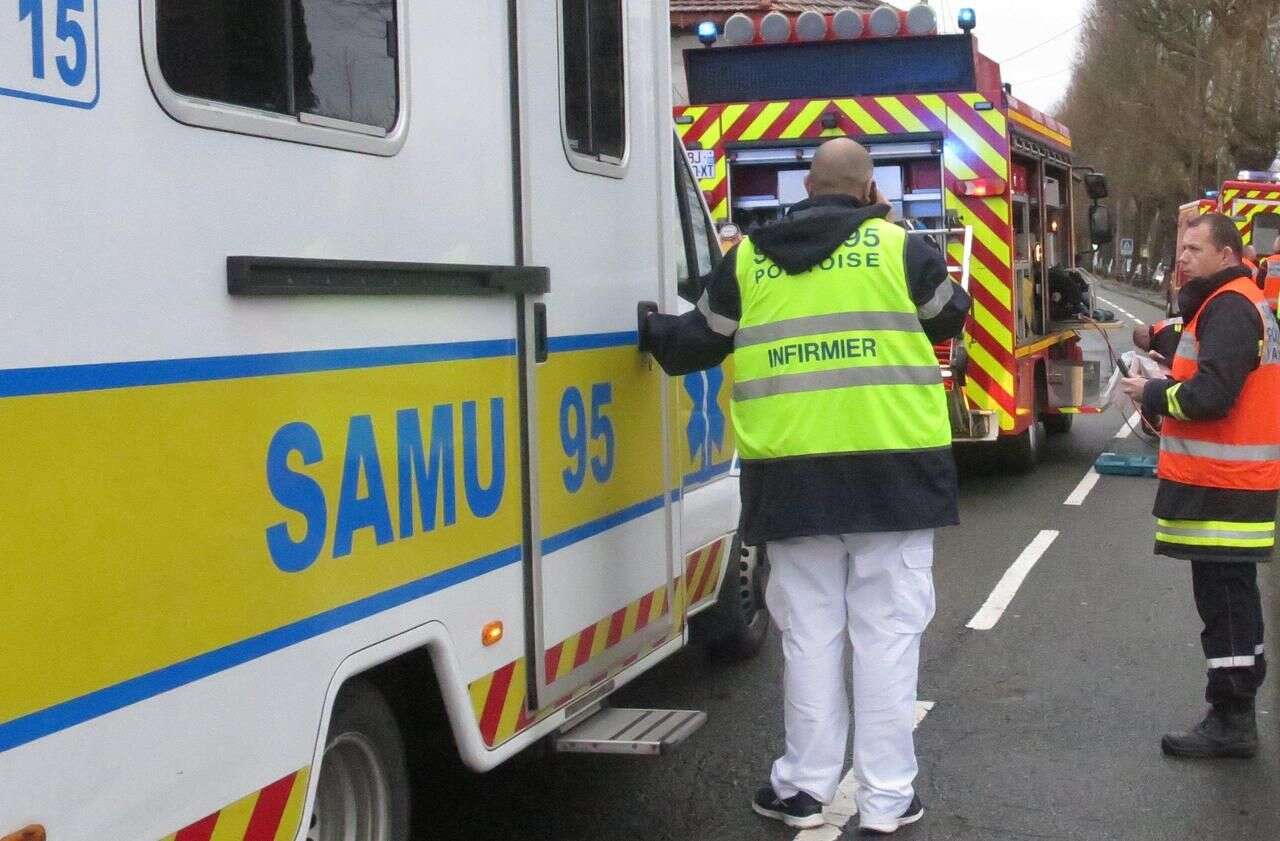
x=992 y=180
x=322 y=412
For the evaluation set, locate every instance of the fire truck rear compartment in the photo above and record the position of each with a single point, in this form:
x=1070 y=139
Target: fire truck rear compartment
x=766 y=181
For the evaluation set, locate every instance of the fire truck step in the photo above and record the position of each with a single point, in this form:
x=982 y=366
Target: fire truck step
x=642 y=732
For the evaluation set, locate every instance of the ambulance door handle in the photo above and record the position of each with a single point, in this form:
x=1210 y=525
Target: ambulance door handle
x=539 y=332
x=644 y=309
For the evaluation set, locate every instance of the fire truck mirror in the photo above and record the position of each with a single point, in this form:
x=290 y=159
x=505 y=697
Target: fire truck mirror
x=1095 y=184
x=1101 y=229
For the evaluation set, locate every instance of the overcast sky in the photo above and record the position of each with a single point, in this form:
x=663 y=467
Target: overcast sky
x=1009 y=27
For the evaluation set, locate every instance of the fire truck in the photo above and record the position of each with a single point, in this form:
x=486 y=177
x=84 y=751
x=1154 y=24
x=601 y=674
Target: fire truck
x=1252 y=201
x=990 y=178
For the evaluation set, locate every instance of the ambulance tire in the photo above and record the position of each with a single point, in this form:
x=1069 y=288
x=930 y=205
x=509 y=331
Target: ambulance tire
x=364 y=779
x=738 y=625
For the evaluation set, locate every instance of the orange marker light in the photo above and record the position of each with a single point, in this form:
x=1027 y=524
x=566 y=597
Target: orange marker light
x=31 y=833
x=983 y=187
x=492 y=633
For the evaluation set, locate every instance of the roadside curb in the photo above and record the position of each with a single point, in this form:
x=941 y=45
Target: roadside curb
x=1147 y=296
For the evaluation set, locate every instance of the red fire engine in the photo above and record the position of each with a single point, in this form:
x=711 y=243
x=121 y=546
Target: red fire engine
x=1252 y=200
x=961 y=160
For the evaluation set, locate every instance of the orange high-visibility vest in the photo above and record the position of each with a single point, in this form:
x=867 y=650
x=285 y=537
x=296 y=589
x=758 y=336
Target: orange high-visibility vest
x=1242 y=450
x=1271 y=281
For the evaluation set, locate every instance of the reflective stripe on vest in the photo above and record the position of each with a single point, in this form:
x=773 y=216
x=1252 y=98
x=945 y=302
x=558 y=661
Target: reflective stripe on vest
x=834 y=360
x=1225 y=534
x=1242 y=450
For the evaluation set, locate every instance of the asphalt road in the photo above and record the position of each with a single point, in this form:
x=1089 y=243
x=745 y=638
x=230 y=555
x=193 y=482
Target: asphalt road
x=1047 y=726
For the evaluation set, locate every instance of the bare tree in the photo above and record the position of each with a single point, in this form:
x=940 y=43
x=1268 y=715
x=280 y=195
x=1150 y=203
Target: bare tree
x=1171 y=96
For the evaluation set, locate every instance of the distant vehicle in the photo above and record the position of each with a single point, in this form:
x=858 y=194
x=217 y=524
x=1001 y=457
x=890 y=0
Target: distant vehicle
x=1252 y=201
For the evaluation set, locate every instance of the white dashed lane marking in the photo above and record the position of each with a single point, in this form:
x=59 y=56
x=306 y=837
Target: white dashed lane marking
x=1077 y=496
x=990 y=612
x=1122 y=311
x=1130 y=425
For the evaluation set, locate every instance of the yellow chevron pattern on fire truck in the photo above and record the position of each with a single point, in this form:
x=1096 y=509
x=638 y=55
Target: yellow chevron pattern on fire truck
x=972 y=151
x=976 y=146
x=1242 y=205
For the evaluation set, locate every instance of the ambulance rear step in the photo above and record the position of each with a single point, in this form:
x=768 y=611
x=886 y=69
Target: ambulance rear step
x=639 y=732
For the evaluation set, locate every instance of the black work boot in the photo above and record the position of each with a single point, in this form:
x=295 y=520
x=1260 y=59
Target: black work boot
x=1222 y=733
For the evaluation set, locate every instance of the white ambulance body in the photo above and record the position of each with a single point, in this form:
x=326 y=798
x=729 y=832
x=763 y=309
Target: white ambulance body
x=319 y=361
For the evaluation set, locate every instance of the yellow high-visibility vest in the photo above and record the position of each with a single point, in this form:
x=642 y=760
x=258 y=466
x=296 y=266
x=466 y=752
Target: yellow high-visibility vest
x=834 y=360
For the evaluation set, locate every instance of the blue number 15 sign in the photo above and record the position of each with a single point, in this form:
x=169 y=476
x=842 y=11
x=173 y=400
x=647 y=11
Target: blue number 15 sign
x=49 y=51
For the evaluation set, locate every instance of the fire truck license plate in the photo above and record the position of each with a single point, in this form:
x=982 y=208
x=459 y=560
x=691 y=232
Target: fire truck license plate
x=49 y=51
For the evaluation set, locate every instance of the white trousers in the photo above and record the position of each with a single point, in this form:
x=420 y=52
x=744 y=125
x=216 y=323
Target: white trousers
x=878 y=588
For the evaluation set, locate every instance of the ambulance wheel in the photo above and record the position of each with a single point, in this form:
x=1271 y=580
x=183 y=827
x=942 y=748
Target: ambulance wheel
x=739 y=622
x=363 y=790
x=1058 y=424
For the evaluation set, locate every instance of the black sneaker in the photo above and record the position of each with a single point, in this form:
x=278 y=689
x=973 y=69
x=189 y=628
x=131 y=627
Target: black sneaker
x=800 y=811
x=914 y=812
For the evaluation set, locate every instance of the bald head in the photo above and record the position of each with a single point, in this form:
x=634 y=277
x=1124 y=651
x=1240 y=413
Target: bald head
x=841 y=167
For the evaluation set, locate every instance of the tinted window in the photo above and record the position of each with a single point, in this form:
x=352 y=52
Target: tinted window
x=704 y=237
x=225 y=50
x=701 y=246
x=594 y=79
x=344 y=60
x=333 y=58
x=1266 y=227
x=831 y=69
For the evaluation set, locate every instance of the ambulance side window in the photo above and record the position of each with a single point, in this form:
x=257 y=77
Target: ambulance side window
x=332 y=65
x=701 y=246
x=593 y=43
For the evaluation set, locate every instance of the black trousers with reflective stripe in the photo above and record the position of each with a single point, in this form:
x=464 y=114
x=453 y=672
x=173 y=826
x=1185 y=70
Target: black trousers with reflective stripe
x=1230 y=606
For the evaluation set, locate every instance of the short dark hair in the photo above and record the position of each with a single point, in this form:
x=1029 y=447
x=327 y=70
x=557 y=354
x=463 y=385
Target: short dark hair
x=1222 y=232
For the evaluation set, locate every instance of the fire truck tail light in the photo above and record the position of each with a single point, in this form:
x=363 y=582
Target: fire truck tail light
x=984 y=187
x=739 y=30
x=922 y=20
x=811 y=26
x=31 y=833
x=884 y=22
x=847 y=24
x=775 y=28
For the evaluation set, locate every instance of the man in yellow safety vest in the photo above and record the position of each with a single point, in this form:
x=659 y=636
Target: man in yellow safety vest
x=841 y=421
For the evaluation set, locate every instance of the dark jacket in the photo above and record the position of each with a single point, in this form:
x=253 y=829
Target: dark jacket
x=1230 y=335
x=836 y=494
x=1165 y=341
